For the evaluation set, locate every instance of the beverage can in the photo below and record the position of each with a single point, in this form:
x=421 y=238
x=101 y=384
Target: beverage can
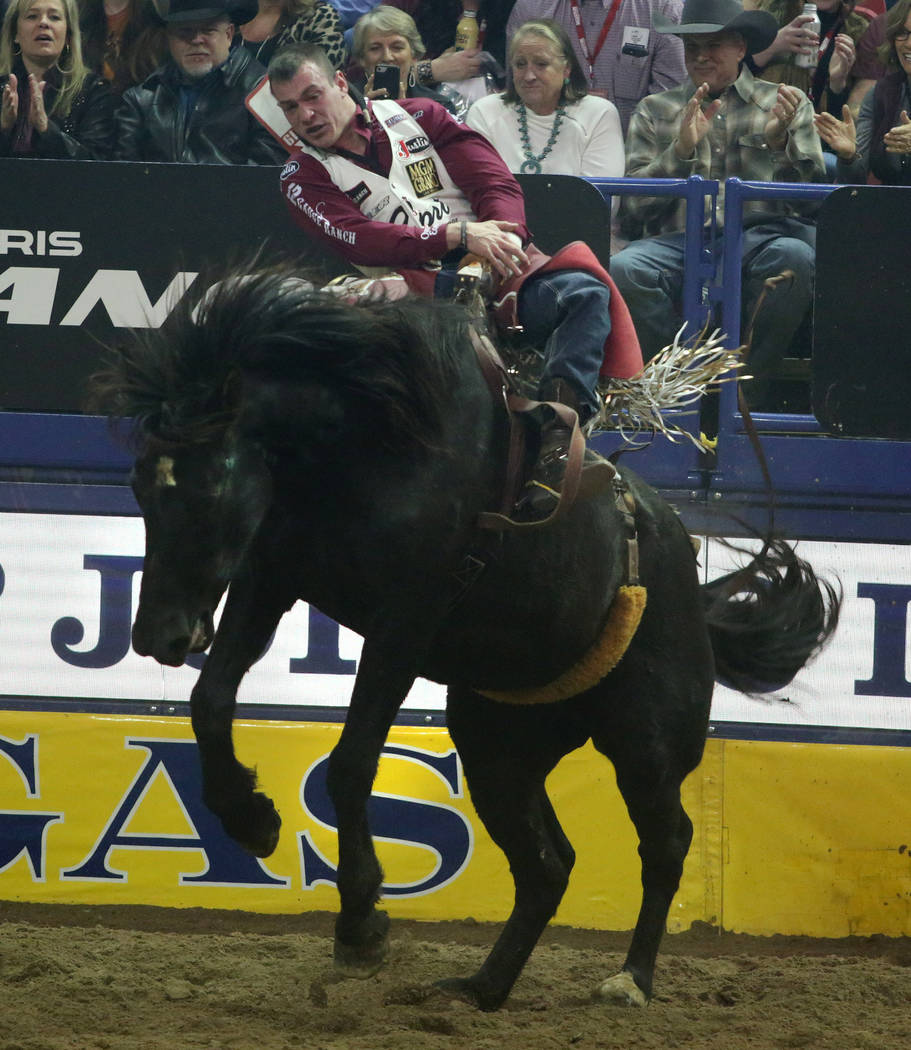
x=809 y=59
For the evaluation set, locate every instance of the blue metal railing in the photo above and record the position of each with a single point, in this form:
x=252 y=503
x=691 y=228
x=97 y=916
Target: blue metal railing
x=736 y=193
x=676 y=466
x=699 y=267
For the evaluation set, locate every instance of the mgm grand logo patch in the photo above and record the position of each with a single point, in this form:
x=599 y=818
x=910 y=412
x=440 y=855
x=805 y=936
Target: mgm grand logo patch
x=424 y=178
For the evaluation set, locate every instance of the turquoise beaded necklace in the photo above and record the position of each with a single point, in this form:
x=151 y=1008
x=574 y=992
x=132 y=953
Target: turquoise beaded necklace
x=532 y=164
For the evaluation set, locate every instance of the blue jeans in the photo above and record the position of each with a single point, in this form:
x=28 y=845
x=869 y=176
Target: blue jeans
x=649 y=275
x=567 y=313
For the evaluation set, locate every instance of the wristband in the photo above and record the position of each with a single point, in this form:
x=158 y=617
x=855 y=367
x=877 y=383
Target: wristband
x=424 y=73
x=463 y=235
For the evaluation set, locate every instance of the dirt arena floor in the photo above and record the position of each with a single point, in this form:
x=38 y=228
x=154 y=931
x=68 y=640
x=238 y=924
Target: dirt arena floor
x=79 y=978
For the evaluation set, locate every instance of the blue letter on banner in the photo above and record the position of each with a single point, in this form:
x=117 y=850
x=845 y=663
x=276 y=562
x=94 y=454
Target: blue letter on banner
x=178 y=760
x=427 y=825
x=890 y=640
x=24 y=832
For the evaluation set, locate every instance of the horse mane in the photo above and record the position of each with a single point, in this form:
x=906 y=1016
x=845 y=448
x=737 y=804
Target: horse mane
x=394 y=362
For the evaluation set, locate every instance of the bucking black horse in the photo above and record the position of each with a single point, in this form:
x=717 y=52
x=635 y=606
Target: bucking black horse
x=293 y=445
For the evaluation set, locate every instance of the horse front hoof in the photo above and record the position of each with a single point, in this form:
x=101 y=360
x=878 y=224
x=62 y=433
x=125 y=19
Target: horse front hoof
x=256 y=828
x=471 y=991
x=366 y=957
x=622 y=990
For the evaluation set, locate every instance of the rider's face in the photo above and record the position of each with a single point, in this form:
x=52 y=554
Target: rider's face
x=318 y=107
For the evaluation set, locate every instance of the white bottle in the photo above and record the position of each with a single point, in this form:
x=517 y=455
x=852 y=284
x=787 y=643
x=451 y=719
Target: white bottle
x=809 y=59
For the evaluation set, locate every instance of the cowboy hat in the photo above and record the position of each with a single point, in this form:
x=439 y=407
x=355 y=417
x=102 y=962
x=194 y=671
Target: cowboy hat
x=236 y=11
x=758 y=28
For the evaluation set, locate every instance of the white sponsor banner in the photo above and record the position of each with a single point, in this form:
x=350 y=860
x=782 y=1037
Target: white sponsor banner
x=861 y=677
x=70 y=587
x=70 y=592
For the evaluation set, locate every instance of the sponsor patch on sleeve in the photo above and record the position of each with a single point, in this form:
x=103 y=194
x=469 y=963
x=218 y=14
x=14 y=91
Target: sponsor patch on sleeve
x=358 y=193
x=290 y=168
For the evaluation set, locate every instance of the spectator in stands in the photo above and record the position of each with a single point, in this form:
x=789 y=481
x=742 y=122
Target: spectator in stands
x=880 y=143
x=281 y=22
x=50 y=104
x=122 y=40
x=722 y=122
x=546 y=121
x=388 y=35
x=404 y=186
x=620 y=53
x=437 y=19
x=191 y=109
x=830 y=83
x=469 y=73
x=868 y=68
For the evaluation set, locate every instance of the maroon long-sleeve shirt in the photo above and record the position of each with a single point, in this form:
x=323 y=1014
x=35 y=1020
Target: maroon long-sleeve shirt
x=330 y=216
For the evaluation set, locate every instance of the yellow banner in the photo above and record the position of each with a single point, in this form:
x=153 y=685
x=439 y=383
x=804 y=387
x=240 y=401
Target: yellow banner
x=105 y=809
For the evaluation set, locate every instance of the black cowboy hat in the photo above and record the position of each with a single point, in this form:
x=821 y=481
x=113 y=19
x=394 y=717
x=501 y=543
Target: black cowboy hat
x=758 y=28
x=237 y=11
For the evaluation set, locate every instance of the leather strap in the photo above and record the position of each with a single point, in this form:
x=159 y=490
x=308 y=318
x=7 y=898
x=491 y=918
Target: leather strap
x=495 y=374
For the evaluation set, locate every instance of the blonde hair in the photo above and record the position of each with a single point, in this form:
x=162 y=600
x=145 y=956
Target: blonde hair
x=575 y=86
x=385 y=19
x=72 y=74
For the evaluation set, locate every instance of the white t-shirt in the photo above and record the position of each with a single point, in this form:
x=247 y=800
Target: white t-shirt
x=589 y=142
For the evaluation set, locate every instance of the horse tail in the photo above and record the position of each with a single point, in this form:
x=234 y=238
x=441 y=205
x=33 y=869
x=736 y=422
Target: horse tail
x=768 y=619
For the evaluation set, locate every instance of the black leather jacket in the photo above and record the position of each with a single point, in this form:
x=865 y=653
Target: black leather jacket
x=153 y=125
x=85 y=133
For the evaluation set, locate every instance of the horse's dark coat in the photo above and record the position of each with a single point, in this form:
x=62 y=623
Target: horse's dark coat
x=341 y=454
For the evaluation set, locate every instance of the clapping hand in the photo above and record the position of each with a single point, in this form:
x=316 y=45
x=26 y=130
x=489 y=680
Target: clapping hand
x=842 y=62
x=841 y=135
x=9 y=104
x=898 y=139
x=695 y=122
x=37 y=116
x=783 y=112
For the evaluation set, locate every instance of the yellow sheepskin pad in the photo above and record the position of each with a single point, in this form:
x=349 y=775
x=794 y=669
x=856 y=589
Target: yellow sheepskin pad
x=622 y=623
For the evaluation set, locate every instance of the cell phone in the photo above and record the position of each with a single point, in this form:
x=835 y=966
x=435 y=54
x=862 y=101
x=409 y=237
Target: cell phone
x=389 y=77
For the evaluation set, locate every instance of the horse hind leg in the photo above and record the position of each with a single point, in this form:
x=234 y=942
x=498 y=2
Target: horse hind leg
x=521 y=820
x=665 y=832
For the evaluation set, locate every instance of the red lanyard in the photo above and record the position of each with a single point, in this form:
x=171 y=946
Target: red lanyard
x=605 y=29
x=824 y=43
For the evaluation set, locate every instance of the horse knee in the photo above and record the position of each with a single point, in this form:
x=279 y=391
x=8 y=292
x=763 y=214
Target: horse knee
x=541 y=882
x=349 y=777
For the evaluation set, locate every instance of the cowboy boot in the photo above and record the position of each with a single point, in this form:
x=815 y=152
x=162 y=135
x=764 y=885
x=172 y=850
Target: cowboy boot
x=541 y=491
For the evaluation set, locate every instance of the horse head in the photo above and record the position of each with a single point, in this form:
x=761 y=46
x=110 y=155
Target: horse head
x=201 y=505
x=265 y=382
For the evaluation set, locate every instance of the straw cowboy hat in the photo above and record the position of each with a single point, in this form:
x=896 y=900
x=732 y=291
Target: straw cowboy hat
x=758 y=28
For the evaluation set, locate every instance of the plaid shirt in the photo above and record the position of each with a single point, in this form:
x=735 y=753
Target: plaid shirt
x=735 y=145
